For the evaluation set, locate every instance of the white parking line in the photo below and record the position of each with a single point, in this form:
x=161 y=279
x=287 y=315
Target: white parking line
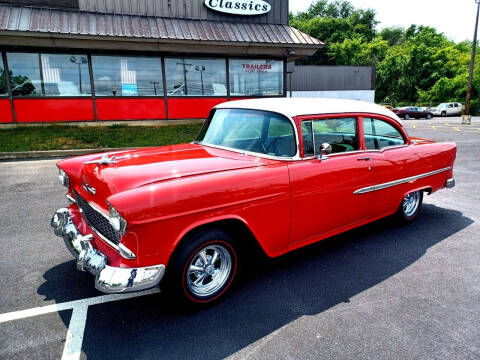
x=74 y=339
x=16 y=315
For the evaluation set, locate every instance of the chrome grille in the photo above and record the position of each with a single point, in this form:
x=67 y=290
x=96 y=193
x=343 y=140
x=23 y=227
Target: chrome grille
x=96 y=220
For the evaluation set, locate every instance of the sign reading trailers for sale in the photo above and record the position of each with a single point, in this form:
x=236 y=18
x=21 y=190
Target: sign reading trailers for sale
x=239 y=7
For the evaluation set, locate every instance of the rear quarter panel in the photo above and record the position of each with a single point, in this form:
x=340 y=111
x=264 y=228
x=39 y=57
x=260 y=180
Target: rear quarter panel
x=421 y=157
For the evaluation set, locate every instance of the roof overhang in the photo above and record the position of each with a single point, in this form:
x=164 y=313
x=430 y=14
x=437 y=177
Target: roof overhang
x=53 y=28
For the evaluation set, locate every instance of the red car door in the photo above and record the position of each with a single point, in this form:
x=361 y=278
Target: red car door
x=391 y=160
x=323 y=199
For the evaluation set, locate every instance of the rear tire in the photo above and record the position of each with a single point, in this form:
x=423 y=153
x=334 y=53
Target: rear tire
x=204 y=268
x=444 y=113
x=406 y=117
x=429 y=116
x=410 y=207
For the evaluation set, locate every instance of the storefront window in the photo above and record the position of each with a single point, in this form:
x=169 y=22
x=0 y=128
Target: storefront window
x=127 y=76
x=49 y=74
x=24 y=74
x=251 y=77
x=196 y=77
x=3 y=80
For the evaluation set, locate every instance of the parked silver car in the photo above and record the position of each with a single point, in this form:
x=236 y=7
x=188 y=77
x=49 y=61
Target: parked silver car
x=447 y=109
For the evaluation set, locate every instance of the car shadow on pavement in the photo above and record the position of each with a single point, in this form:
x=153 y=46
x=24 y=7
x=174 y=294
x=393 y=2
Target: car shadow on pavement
x=271 y=294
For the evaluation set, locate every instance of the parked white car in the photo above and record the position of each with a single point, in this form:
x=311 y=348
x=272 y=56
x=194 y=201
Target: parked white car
x=447 y=109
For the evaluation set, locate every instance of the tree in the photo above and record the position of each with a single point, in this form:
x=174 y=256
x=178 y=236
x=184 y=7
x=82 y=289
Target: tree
x=417 y=64
x=334 y=22
x=358 y=52
x=393 y=35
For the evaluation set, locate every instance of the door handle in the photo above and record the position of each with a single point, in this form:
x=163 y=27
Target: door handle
x=367 y=158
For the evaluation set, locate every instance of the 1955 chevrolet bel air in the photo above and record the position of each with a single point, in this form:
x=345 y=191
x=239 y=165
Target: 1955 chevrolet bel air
x=256 y=175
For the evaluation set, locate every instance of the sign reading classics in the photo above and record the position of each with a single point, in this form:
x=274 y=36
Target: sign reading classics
x=239 y=7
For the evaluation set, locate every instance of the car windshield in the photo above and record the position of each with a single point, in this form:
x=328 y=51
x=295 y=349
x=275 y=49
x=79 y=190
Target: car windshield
x=256 y=131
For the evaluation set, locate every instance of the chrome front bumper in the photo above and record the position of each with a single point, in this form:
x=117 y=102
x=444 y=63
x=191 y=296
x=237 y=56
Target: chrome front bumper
x=108 y=279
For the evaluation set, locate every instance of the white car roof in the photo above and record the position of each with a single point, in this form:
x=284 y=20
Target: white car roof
x=309 y=106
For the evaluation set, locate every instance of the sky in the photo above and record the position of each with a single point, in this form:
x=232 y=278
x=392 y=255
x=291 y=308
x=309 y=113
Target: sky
x=456 y=19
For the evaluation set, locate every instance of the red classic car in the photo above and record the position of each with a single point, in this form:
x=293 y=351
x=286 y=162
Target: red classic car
x=256 y=175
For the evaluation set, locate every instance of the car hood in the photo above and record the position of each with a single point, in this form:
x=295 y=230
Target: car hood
x=125 y=170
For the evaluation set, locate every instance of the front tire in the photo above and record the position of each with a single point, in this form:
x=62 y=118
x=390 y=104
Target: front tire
x=204 y=268
x=410 y=206
x=429 y=116
x=406 y=117
x=444 y=113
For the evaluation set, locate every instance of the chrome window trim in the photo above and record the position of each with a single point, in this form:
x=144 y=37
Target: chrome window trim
x=381 y=150
x=251 y=153
x=398 y=182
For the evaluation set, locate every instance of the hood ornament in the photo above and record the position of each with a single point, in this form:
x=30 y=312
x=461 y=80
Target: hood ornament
x=105 y=160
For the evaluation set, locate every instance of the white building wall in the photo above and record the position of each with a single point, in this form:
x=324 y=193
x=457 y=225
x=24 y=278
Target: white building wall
x=364 y=95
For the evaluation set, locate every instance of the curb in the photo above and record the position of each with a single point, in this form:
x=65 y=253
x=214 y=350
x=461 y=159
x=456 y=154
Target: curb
x=23 y=155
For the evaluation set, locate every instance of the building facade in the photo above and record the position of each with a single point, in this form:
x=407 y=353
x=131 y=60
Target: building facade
x=96 y=60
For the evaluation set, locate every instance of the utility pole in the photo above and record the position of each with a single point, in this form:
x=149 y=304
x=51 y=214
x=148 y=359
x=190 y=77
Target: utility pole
x=184 y=65
x=468 y=116
x=82 y=60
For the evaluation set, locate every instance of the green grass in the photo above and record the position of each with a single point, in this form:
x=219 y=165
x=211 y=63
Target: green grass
x=57 y=137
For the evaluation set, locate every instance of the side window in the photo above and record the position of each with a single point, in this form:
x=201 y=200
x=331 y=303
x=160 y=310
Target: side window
x=379 y=134
x=307 y=134
x=457 y=105
x=450 y=106
x=280 y=139
x=340 y=133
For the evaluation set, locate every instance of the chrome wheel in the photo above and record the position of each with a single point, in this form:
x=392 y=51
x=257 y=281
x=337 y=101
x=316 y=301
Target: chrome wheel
x=410 y=203
x=209 y=270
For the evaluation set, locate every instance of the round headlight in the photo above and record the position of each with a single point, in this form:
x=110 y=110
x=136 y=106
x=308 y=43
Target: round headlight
x=63 y=177
x=118 y=223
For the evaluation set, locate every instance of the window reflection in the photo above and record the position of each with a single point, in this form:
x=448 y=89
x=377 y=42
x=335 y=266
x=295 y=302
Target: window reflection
x=127 y=76
x=37 y=74
x=196 y=77
x=3 y=80
x=49 y=74
x=254 y=77
x=24 y=74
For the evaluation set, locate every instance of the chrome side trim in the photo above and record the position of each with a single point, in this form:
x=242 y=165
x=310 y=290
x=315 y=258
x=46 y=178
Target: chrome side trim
x=398 y=182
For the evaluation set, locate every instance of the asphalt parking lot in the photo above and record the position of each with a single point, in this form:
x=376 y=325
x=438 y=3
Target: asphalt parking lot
x=378 y=292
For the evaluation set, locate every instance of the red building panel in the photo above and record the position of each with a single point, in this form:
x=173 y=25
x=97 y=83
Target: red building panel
x=5 y=111
x=130 y=109
x=192 y=108
x=50 y=110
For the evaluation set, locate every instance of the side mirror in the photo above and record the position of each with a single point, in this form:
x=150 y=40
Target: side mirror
x=324 y=151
